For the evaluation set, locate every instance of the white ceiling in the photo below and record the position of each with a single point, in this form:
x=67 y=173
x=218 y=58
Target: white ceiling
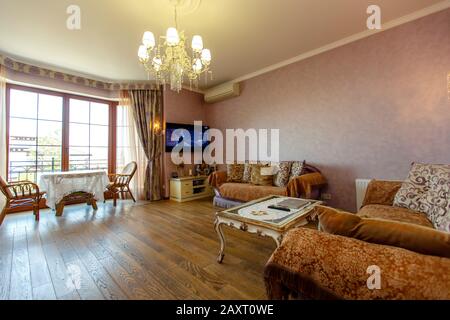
x=243 y=35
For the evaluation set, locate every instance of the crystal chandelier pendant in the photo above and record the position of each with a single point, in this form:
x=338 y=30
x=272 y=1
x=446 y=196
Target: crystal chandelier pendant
x=168 y=60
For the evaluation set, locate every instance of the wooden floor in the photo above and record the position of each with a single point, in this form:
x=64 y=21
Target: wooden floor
x=164 y=250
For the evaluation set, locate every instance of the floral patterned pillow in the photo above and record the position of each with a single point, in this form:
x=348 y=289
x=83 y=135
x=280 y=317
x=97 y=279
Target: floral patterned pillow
x=247 y=175
x=427 y=190
x=283 y=170
x=437 y=199
x=297 y=169
x=413 y=190
x=235 y=172
x=259 y=177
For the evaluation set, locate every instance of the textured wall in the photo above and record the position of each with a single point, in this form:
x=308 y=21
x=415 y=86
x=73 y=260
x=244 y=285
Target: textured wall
x=364 y=110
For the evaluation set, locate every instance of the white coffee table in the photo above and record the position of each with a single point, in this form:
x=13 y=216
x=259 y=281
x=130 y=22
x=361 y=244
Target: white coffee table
x=255 y=217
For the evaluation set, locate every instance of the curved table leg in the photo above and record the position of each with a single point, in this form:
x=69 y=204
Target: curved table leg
x=218 y=227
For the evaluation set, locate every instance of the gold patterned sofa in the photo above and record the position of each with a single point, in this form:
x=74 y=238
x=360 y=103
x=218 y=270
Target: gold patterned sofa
x=312 y=264
x=308 y=184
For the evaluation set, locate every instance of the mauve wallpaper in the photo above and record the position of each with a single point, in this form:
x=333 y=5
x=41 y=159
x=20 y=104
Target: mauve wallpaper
x=184 y=107
x=364 y=110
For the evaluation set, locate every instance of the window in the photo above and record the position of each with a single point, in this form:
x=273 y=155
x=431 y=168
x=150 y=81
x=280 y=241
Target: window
x=50 y=131
x=123 y=144
x=88 y=135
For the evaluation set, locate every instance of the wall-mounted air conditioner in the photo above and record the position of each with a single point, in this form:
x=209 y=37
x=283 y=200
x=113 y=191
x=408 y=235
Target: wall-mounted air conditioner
x=222 y=92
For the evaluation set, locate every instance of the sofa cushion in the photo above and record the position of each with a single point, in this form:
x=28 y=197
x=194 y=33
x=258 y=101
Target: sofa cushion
x=381 y=192
x=283 y=170
x=235 y=172
x=427 y=190
x=260 y=178
x=247 y=175
x=386 y=232
x=437 y=198
x=379 y=211
x=247 y=192
x=414 y=188
x=297 y=169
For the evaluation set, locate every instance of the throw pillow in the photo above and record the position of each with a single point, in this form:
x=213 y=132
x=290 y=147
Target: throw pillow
x=247 y=176
x=437 y=199
x=283 y=170
x=297 y=169
x=235 y=172
x=414 y=188
x=427 y=190
x=260 y=179
x=385 y=232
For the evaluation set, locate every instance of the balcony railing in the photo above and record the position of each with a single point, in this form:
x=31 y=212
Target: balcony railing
x=28 y=170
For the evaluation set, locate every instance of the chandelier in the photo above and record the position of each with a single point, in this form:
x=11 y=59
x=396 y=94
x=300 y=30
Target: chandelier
x=168 y=60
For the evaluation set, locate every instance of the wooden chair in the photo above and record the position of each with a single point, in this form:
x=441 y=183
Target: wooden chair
x=120 y=183
x=20 y=194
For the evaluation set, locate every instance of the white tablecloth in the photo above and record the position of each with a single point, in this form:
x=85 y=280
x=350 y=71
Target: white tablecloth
x=57 y=185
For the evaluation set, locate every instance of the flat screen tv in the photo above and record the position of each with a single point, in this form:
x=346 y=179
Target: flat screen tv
x=171 y=128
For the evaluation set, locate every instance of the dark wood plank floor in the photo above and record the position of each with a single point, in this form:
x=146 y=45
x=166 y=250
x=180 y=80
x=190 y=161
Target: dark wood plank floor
x=163 y=250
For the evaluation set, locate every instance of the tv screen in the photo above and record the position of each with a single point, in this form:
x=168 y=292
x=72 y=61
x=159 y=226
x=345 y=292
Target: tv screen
x=179 y=136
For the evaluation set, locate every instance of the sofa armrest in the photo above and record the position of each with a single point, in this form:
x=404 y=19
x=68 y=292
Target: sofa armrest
x=303 y=186
x=217 y=178
x=311 y=264
x=381 y=192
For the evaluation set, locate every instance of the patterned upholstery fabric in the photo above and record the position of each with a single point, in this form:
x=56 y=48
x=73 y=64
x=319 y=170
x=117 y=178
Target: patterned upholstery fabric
x=378 y=211
x=438 y=198
x=297 y=169
x=409 y=236
x=414 y=188
x=311 y=264
x=258 y=178
x=427 y=190
x=235 y=172
x=281 y=178
x=306 y=186
x=245 y=192
x=247 y=175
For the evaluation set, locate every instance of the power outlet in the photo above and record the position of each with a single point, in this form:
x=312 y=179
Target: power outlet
x=326 y=196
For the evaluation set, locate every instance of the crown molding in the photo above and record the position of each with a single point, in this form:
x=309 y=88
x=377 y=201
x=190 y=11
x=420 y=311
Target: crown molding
x=388 y=25
x=37 y=86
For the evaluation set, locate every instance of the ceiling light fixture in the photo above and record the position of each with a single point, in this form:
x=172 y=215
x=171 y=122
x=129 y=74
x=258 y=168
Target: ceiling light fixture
x=169 y=62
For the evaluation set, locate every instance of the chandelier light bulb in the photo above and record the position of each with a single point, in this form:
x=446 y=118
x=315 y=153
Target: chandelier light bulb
x=197 y=43
x=172 y=37
x=197 y=66
x=149 y=40
x=143 y=53
x=157 y=63
x=206 y=56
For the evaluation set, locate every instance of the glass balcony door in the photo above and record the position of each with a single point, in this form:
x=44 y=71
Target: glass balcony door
x=51 y=131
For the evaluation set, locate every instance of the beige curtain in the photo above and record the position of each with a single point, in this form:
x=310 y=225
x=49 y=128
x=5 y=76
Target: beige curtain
x=3 y=151
x=131 y=148
x=147 y=107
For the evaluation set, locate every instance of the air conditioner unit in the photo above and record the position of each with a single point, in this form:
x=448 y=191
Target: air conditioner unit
x=222 y=92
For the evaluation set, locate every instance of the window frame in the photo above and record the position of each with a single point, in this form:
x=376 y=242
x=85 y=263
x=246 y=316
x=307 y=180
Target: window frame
x=66 y=123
